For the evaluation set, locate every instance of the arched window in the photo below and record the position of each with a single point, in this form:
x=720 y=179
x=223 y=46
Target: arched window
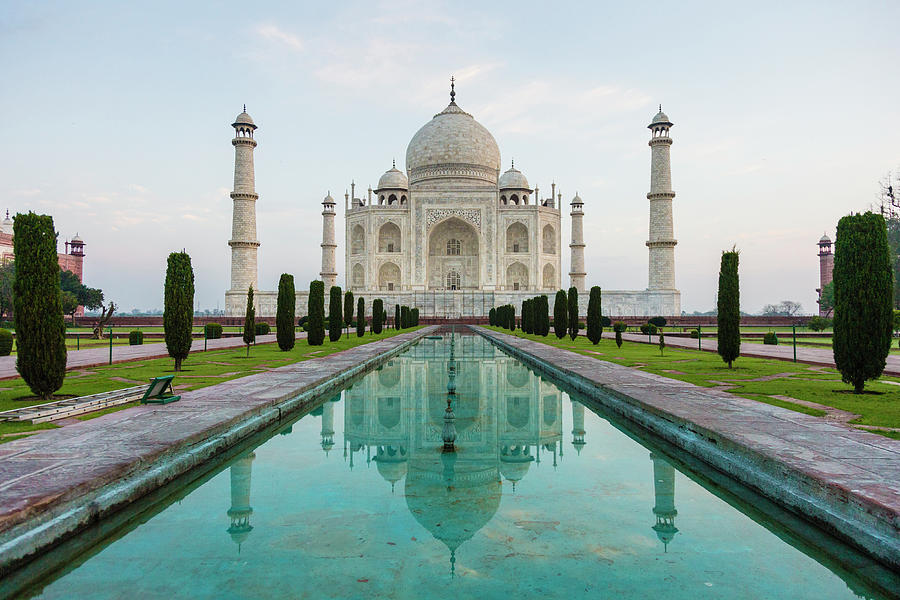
x=549 y=240
x=517 y=238
x=357 y=240
x=503 y=200
x=514 y=199
x=453 y=280
x=402 y=200
x=392 y=199
x=453 y=249
x=389 y=238
x=550 y=277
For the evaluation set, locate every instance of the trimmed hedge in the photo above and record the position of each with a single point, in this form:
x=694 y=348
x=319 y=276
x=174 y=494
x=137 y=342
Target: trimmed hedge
x=6 y=342
x=263 y=329
x=213 y=331
x=135 y=338
x=770 y=339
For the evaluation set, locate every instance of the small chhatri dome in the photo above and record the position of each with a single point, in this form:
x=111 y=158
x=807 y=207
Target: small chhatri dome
x=513 y=179
x=825 y=239
x=393 y=179
x=328 y=199
x=661 y=118
x=77 y=239
x=577 y=199
x=244 y=119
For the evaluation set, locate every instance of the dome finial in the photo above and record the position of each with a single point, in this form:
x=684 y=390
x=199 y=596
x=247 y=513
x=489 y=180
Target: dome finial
x=660 y=107
x=393 y=163
x=245 y=108
x=512 y=163
x=452 y=89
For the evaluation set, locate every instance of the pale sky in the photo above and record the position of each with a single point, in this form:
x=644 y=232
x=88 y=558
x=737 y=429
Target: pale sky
x=117 y=123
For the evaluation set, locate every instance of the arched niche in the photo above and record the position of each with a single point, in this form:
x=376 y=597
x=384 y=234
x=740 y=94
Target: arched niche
x=389 y=238
x=389 y=277
x=549 y=239
x=453 y=246
x=357 y=240
x=517 y=238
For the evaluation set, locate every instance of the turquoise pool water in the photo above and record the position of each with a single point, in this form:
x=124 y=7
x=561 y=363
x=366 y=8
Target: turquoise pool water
x=544 y=498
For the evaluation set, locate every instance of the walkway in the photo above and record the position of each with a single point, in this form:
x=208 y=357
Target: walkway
x=94 y=357
x=57 y=482
x=844 y=479
x=783 y=351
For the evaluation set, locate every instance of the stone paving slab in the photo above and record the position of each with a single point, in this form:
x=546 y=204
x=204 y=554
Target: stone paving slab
x=823 y=357
x=55 y=483
x=844 y=479
x=93 y=357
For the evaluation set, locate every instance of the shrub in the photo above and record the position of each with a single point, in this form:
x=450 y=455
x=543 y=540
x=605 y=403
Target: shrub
x=284 y=313
x=770 y=338
x=512 y=316
x=335 y=314
x=178 y=315
x=524 y=313
x=213 y=331
x=377 y=315
x=302 y=321
x=135 y=338
x=6 y=342
x=543 y=315
x=729 y=308
x=560 y=314
x=863 y=294
x=492 y=317
x=573 y=312
x=619 y=339
x=264 y=328
x=695 y=334
x=819 y=323
x=605 y=322
x=594 y=318
x=648 y=329
x=316 y=313
x=250 y=321
x=360 y=317
x=620 y=326
x=658 y=321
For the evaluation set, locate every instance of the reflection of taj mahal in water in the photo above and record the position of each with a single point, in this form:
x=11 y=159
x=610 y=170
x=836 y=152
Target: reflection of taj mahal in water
x=398 y=427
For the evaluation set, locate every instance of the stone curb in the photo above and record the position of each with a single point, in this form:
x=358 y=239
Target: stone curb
x=865 y=523
x=24 y=535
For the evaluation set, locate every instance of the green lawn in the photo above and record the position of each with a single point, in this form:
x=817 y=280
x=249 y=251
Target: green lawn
x=199 y=370
x=791 y=380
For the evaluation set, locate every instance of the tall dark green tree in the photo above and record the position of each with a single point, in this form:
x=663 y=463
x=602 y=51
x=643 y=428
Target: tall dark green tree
x=250 y=321
x=40 y=328
x=573 y=313
x=594 y=318
x=348 y=309
x=404 y=317
x=360 y=317
x=560 y=314
x=178 y=313
x=398 y=324
x=377 y=315
x=512 y=316
x=863 y=298
x=729 y=308
x=492 y=317
x=284 y=313
x=335 y=314
x=316 y=334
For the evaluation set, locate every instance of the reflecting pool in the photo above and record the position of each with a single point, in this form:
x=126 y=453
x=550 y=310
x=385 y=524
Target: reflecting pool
x=544 y=497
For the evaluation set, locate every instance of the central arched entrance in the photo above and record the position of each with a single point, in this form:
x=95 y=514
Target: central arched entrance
x=453 y=256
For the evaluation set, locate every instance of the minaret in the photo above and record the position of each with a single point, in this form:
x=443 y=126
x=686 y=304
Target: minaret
x=327 y=432
x=240 y=510
x=576 y=272
x=577 y=425
x=826 y=269
x=328 y=273
x=243 y=242
x=664 y=509
x=662 y=234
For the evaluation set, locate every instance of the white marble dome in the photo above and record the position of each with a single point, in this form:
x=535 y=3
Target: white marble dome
x=394 y=179
x=243 y=119
x=513 y=179
x=453 y=145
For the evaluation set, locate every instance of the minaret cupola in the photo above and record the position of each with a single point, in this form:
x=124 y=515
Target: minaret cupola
x=513 y=187
x=393 y=187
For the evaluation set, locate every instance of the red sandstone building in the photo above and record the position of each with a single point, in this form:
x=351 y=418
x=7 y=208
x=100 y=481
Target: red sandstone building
x=826 y=268
x=70 y=260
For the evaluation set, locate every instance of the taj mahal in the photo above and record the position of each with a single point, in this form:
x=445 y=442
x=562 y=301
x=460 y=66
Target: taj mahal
x=451 y=234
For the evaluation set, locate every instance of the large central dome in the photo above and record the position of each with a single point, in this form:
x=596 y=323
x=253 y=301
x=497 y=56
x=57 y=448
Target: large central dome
x=453 y=145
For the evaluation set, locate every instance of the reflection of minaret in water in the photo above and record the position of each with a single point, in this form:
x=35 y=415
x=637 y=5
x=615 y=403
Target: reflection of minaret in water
x=664 y=489
x=240 y=510
x=577 y=425
x=327 y=427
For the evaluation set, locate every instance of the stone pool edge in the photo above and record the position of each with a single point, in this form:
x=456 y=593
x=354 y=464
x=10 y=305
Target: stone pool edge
x=60 y=520
x=872 y=527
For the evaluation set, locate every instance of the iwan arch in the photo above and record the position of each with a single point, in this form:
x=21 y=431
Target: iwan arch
x=453 y=235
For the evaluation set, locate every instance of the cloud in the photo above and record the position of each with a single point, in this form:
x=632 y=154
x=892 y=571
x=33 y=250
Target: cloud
x=27 y=193
x=273 y=33
x=138 y=188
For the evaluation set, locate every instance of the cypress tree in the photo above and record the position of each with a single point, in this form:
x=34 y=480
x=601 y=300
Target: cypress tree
x=404 y=317
x=414 y=315
x=524 y=322
x=545 y=315
x=316 y=334
x=863 y=295
x=335 y=314
x=377 y=316
x=249 y=321
x=512 y=317
x=594 y=318
x=560 y=314
x=178 y=313
x=40 y=325
x=398 y=324
x=348 y=309
x=492 y=317
x=360 y=317
x=384 y=318
x=573 y=313
x=729 y=308
x=284 y=314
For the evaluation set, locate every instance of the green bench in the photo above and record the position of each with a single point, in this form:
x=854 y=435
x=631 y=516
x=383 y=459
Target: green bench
x=160 y=391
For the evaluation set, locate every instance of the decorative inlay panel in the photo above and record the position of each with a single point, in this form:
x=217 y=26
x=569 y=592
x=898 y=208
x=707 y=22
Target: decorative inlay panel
x=435 y=215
